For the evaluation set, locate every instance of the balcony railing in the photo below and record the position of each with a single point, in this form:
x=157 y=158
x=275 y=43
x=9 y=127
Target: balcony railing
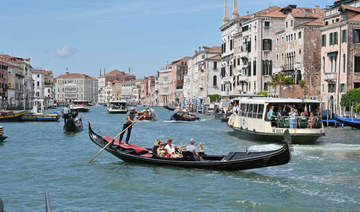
x=330 y=76
x=243 y=54
x=277 y=70
x=243 y=78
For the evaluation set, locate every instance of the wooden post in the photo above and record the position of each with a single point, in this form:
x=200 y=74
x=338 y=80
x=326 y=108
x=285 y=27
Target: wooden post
x=327 y=115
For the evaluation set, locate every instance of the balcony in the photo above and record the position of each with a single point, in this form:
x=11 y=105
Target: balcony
x=297 y=65
x=243 y=54
x=277 y=70
x=330 y=76
x=243 y=78
x=226 y=79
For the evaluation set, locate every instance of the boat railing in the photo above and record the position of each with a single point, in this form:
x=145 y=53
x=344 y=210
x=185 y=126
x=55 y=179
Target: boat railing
x=297 y=123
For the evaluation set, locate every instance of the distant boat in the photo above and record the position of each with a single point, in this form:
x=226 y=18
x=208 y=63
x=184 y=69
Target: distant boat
x=169 y=108
x=2 y=137
x=184 y=116
x=81 y=106
x=117 y=106
x=11 y=115
x=352 y=122
x=40 y=116
x=149 y=114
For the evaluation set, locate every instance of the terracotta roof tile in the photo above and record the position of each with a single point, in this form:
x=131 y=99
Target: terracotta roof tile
x=356 y=18
x=217 y=57
x=347 y=7
x=74 y=75
x=307 y=13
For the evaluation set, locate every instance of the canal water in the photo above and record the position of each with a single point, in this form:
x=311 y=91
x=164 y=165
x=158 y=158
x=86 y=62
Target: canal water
x=39 y=157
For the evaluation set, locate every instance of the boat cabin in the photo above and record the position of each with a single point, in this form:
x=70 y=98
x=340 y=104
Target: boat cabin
x=117 y=106
x=274 y=115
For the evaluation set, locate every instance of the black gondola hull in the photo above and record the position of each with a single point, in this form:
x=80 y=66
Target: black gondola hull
x=73 y=126
x=249 y=161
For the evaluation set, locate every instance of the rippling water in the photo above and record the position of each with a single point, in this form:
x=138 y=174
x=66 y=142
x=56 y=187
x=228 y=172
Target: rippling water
x=40 y=156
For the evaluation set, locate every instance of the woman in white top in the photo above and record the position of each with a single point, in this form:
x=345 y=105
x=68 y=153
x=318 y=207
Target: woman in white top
x=171 y=148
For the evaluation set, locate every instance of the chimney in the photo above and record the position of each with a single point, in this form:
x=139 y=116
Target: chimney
x=247 y=12
x=199 y=48
x=316 y=7
x=67 y=72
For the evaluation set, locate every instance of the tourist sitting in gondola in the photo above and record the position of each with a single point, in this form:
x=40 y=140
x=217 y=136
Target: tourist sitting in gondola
x=172 y=148
x=161 y=151
x=192 y=148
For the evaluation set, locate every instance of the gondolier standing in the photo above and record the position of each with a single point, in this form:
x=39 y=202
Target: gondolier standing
x=65 y=111
x=128 y=121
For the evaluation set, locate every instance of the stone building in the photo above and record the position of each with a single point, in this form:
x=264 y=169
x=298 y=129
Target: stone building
x=75 y=86
x=20 y=82
x=297 y=52
x=340 y=52
x=3 y=84
x=203 y=76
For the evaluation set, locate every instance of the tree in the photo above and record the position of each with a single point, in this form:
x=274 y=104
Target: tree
x=214 y=98
x=351 y=97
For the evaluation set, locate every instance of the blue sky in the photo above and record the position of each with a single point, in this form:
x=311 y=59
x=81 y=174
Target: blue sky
x=86 y=35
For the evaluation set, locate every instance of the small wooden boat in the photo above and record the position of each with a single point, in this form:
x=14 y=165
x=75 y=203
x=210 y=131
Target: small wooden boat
x=169 y=108
x=232 y=161
x=117 y=106
x=352 y=122
x=73 y=124
x=11 y=115
x=2 y=137
x=40 y=117
x=149 y=114
x=184 y=116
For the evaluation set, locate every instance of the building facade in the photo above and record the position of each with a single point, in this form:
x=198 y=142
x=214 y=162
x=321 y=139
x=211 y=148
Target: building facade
x=340 y=52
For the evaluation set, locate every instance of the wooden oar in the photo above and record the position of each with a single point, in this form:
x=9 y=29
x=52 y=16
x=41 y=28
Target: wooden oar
x=114 y=139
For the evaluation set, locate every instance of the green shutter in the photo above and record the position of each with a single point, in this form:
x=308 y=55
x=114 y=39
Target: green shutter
x=323 y=42
x=343 y=36
x=270 y=67
x=336 y=38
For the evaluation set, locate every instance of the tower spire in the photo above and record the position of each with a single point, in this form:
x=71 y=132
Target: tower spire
x=226 y=18
x=235 y=13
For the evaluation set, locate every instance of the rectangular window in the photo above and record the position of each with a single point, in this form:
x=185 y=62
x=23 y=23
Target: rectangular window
x=299 y=36
x=287 y=24
x=356 y=36
x=254 y=68
x=215 y=65
x=249 y=46
x=249 y=69
x=322 y=87
x=356 y=85
x=335 y=38
x=331 y=88
x=323 y=40
x=292 y=23
x=267 y=24
x=357 y=64
x=267 y=44
x=342 y=87
x=326 y=23
x=343 y=36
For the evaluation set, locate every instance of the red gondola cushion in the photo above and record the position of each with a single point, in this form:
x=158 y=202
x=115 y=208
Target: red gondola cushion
x=147 y=155
x=136 y=148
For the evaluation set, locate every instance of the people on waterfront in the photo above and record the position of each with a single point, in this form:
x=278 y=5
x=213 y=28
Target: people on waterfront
x=171 y=148
x=192 y=148
x=128 y=121
x=65 y=113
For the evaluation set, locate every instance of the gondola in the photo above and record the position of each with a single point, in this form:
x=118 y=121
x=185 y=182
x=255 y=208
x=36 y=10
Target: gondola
x=184 y=116
x=73 y=125
x=2 y=136
x=352 y=122
x=169 y=108
x=233 y=161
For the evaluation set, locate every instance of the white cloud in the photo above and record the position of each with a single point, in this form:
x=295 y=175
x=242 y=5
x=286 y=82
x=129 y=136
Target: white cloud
x=66 y=51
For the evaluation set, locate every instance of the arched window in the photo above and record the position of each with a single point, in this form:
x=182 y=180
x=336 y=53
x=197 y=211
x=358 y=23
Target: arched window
x=215 y=80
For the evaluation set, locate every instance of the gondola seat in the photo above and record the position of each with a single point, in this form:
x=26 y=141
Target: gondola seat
x=188 y=156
